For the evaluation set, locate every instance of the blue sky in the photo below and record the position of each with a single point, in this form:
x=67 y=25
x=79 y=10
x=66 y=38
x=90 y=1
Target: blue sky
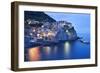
x=81 y=22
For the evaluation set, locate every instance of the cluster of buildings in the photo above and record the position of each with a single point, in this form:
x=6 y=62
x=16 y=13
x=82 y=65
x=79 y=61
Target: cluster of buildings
x=46 y=31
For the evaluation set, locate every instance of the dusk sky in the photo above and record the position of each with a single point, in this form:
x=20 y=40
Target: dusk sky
x=81 y=22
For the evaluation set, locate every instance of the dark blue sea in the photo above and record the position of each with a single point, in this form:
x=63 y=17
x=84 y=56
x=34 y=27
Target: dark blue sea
x=61 y=51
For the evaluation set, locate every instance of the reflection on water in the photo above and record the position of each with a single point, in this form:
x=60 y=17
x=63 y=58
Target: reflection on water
x=34 y=54
x=61 y=51
x=47 y=50
x=67 y=48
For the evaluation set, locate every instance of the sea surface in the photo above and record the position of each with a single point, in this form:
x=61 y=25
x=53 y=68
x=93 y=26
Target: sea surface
x=61 y=51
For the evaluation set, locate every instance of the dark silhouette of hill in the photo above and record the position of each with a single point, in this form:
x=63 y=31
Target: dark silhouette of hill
x=38 y=16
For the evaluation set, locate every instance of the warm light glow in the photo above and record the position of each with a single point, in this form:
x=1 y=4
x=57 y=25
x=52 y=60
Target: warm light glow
x=34 y=54
x=44 y=34
x=50 y=34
